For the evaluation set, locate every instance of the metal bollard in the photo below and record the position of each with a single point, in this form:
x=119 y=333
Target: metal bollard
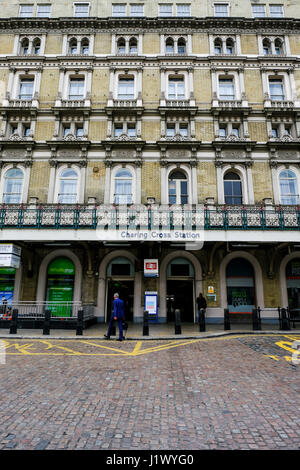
x=226 y=319
x=256 y=321
x=285 y=324
x=177 y=322
x=13 y=322
x=79 y=328
x=46 y=328
x=202 y=320
x=146 y=323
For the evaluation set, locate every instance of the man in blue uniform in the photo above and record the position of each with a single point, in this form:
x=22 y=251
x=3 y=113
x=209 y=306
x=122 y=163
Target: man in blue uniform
x=118 y=315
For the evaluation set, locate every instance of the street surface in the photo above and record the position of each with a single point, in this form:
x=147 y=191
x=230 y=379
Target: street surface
x=233 y=392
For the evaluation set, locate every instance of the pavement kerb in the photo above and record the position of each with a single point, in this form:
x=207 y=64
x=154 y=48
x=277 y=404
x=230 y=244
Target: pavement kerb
x=156 y=338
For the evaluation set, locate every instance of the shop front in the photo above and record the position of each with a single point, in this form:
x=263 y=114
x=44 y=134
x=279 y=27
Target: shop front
x=240 y=286
x=60 y=287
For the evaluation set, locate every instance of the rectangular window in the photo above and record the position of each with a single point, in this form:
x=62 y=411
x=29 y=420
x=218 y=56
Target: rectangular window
x=26 y=11
x=118 y=130
x=258 y=11
x=183 y=130
x=221 y=9
x=81 y=10
x=176 y=89
x=166 y=9
x=276 y=11
x=76 y=89
x=170 y=130
x=136 y=10
x=79 y=131
x=119 y=9
x=276 y=90
x=131 y=130
x=43 y=11
x=183 y=10
x=275 y=132
x=26 y=89
x=126 y=89
x=66 y=130
x=222 y=131
x=236 y=131
x=26 y=131
x=226 y=89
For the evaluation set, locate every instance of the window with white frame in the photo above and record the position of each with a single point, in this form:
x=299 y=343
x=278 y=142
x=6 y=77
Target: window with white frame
x=183 y=10
x=126 y=88
x=13 y=186
x=177 y=128
x=121 y=46
x=26 y=89
x=136 y=10
x=24 y=46
x=267 y=46
x=36 y=46
x=288 y=188
x=276 y=89
x=68 y=186
x=166 y=9
x=81 y=10
x=178 y=187
x=258 y=11
x=221 y=9
x=43 y=11
x=125 y=128
x=232 y=189
x=133 y=46
x=228 y=129
x=276 y=11
x=226 y=89
x=26 y=11
x=176 y=89
x=123 y=187
x=76 y=89
x=119 y=9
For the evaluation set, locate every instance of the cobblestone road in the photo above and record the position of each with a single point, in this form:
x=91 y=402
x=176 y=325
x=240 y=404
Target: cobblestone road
x=224 y=393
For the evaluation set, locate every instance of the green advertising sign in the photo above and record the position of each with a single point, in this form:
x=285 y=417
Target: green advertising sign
x=61 y=266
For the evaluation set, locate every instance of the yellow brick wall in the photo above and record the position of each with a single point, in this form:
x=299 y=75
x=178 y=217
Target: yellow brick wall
x=49 y=88
x=207 y=181
x=249 y=44
x=151 y=88
x=95 y=181
x=297 y=82
x=44 y=130
x=202 y=87
x=102 y=43
x=204 y=130
x=294 y=44
x=151 y=181
x=262 y=181
x=54 y=44
x=6 y=43
x=97 y=130
x=100 y=87
x=151 y=43
x=253 y=87
x=39 y=181
x=200 y=44
x=151 y=130
x=258 y=131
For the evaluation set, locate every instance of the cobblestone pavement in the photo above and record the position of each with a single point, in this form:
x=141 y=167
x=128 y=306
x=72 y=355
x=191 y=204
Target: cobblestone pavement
x=235 y=392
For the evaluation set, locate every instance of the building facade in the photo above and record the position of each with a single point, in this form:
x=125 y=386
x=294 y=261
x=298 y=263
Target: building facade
x=152 y=130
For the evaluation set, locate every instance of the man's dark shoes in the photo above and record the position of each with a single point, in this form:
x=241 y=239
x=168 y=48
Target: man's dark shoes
x=119 y=339
x=106 y=337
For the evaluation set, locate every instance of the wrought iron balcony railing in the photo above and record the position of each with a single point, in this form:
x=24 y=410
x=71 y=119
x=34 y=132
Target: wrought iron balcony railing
x=139 y=217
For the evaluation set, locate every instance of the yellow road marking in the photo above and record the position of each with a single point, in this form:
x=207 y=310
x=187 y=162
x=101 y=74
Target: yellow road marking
x=50 y=346
x=126 y=353
x=137 y=348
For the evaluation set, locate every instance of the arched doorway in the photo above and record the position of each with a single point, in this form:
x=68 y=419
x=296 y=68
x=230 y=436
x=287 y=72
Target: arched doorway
x=240 y=283
x=180 y=289
x=292 y=272
x=60 y=286
x=120 y=279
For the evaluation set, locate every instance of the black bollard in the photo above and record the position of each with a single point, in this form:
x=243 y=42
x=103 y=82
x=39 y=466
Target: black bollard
x=226 y=319
x=177 y=322
x=202 y=320
x=79 y=328
x=285 y=324
x=146 y=323
x=13 y=322
x=256 y=319
x=46 y=328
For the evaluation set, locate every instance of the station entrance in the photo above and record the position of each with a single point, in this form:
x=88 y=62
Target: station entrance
x=180 y=290
x=120 y=279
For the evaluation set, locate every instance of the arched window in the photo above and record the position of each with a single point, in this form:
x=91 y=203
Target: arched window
x=229 y=46
x=169 y=46
x=133 y=46
x=24 y=46
x=232 y=189
x=181 y=46
x=121 y=46
x=288 y=188
x=85 y=46
x=68 y=184
x=123 y=187
x=178 y=188
x=36 y=46
x=218 y=46
x=13 y=186
x=278 y=46
x=73 y=46
x=266 y=47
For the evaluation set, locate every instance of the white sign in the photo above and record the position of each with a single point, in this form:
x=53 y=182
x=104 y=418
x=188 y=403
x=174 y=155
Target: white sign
x=10 y=249
x=151 y=267
x=151 y=302
x=9 y=261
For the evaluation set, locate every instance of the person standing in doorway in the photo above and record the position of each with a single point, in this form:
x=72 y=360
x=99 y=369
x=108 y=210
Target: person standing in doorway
x=118 y=315
x=201 y=303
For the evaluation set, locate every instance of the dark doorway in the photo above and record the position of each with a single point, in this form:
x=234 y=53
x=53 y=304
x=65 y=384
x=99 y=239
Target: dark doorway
x=125 y=290
x=183 y=294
